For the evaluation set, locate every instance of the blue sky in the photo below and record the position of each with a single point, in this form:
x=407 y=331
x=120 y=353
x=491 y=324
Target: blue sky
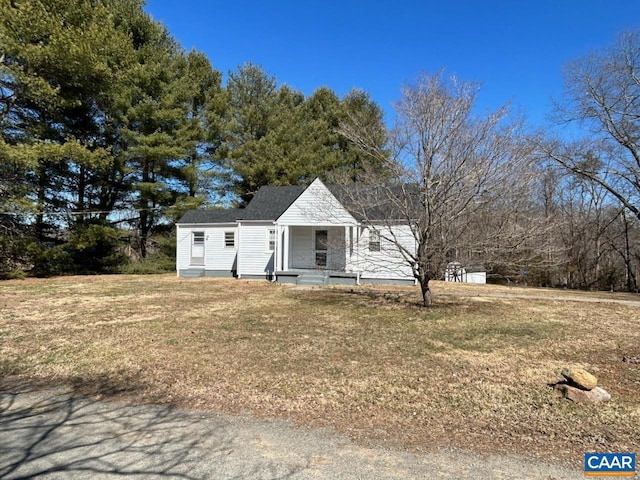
x=516 y=49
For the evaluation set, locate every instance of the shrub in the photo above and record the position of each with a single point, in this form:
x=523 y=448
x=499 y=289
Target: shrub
x=95 y=248
x=152 y=265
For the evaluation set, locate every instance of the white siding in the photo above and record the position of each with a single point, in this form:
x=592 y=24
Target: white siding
x=183 y=247
x=217 y=256
x=254 y=259
x=301 y=247
x=388 y=262
x=316 y=206
x=476 y=277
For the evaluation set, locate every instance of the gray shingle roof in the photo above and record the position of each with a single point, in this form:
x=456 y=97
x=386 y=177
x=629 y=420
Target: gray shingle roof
x=268 y=204
x=365 y=203
x=271 y=201
x=371 y=203
x=211 y=216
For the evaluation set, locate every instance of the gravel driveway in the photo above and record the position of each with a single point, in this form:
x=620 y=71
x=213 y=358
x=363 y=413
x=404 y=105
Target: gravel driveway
x=54 y=434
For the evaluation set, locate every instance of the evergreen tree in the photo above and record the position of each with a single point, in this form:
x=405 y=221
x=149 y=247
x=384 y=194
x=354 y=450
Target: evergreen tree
x=203 y=101
x=251 y=104
x=98 y=108
x=273 y=135
x=106 y=122
x=57 y=59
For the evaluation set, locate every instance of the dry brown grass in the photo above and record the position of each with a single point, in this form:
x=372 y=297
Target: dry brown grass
x=471 y=372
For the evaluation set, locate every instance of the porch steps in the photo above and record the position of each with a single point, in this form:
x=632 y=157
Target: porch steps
x=312 y=278
x=192 y=273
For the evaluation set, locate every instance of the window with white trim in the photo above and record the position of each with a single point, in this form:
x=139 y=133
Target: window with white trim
x=374 y=241
x=197 y=248
x=271 y=240
x=229 y=239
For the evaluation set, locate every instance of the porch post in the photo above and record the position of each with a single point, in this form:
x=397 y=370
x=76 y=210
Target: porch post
x=348 y=243
x=285 y=249
x=356 y=241
x=277 y=254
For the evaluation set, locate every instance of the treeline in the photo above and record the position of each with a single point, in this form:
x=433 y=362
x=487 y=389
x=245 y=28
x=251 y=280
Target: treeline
x=596 y=241
x=110 y=130
x=585 y=239
x=591 y=186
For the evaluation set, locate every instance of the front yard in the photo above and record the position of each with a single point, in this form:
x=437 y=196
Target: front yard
x=472 y=372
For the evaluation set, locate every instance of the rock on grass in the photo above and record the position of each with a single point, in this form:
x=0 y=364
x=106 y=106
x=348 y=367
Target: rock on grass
x=578 y=395
x=580 y=378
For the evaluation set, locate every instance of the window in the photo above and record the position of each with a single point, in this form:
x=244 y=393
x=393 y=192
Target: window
x=198 y=238
x=271 y=240
x=374 y=241
x=321 y=242
x=197 y=248
x=229 y=239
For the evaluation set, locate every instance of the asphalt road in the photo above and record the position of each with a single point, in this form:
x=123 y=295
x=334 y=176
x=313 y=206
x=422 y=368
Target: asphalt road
x=56 y=435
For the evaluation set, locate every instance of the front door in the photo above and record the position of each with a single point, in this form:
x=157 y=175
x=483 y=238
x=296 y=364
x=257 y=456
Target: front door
x=320 y=248
x=197 y=248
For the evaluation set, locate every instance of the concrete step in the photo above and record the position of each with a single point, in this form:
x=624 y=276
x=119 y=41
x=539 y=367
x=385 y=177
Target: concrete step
x=306 y=282
x=312 y=278
x=192 y=273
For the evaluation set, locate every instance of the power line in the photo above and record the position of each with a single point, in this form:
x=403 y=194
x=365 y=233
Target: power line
x=86 y=212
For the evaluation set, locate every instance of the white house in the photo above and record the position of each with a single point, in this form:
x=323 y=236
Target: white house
x=293 y=234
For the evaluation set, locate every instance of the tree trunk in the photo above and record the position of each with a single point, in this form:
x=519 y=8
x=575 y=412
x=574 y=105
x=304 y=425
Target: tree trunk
x=632 y=285
x=42 y=197
x=145 y=203
x=144 y=232
x=82 y=185
x=427 y=297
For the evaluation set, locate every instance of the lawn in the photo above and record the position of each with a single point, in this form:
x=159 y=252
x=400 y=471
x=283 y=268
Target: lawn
x=471 y=372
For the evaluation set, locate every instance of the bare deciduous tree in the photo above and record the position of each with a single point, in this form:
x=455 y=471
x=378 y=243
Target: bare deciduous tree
x=460 y=182
x=603 y=95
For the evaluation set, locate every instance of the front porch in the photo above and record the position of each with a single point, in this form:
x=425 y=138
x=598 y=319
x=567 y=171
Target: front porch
x=327 y=251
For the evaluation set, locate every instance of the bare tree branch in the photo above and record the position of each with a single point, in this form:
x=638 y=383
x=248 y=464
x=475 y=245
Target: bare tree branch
x=603 y=94
x=450 y=173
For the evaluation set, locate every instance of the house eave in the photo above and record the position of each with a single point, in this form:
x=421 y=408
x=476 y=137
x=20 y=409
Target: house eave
x=257 y=221
x=317 y=224
x=208 y=224
x=388 y=221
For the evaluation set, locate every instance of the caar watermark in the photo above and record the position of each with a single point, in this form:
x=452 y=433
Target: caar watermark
x=610 y=464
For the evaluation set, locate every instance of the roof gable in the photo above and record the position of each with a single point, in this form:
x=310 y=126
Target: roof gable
x=316 y=206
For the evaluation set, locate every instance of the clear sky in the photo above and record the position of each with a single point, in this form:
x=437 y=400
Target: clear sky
x=516 y=49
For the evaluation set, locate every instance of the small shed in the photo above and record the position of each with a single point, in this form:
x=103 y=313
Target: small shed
x=476 y=275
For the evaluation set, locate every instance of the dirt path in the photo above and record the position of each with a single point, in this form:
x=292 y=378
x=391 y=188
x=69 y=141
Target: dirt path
x=54 y=434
